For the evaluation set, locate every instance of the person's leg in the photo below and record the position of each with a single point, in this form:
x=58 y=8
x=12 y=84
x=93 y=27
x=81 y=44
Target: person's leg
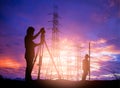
x=31 y=67
x=28 y=70
x=27 y=74
x=84 y=75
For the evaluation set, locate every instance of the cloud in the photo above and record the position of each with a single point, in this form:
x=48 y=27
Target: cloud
x=11 y=68
x=115 y=42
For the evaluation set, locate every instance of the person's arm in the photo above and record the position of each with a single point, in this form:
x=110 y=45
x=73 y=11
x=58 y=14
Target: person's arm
x=41 y=31
x=36 y=35
x=38 y=44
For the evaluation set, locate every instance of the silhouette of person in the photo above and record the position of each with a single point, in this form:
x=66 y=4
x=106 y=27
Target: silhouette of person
x=29 y=51
x=85 y=67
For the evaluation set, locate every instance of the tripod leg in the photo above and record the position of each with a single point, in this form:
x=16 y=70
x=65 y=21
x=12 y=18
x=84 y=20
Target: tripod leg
x=40 y=60
x=39 y=69
x=52 y=60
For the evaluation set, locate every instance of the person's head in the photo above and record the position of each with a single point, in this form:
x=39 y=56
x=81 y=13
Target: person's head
x=86 y=56
x=30 y=30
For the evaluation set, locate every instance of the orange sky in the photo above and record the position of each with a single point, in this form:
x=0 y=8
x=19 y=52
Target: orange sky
x=7 y=62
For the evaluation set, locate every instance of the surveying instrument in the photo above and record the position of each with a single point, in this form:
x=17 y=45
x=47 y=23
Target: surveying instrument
x=40 y=54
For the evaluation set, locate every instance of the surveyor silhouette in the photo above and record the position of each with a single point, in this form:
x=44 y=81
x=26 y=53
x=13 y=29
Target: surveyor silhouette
x=30 y=50
x=85 y=67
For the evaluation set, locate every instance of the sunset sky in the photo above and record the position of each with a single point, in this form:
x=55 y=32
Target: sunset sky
x=80 y=22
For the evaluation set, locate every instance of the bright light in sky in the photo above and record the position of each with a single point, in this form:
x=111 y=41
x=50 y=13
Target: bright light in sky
x=70 y=60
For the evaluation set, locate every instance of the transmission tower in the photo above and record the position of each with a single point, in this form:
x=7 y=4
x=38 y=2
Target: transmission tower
x=55 y=38
x=55 y=33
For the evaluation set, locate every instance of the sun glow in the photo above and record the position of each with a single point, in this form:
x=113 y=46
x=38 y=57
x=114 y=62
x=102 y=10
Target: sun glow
x=69 y=62
x=7 y=62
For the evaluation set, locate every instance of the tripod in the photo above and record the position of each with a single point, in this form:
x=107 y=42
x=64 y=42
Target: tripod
x=40 y=54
